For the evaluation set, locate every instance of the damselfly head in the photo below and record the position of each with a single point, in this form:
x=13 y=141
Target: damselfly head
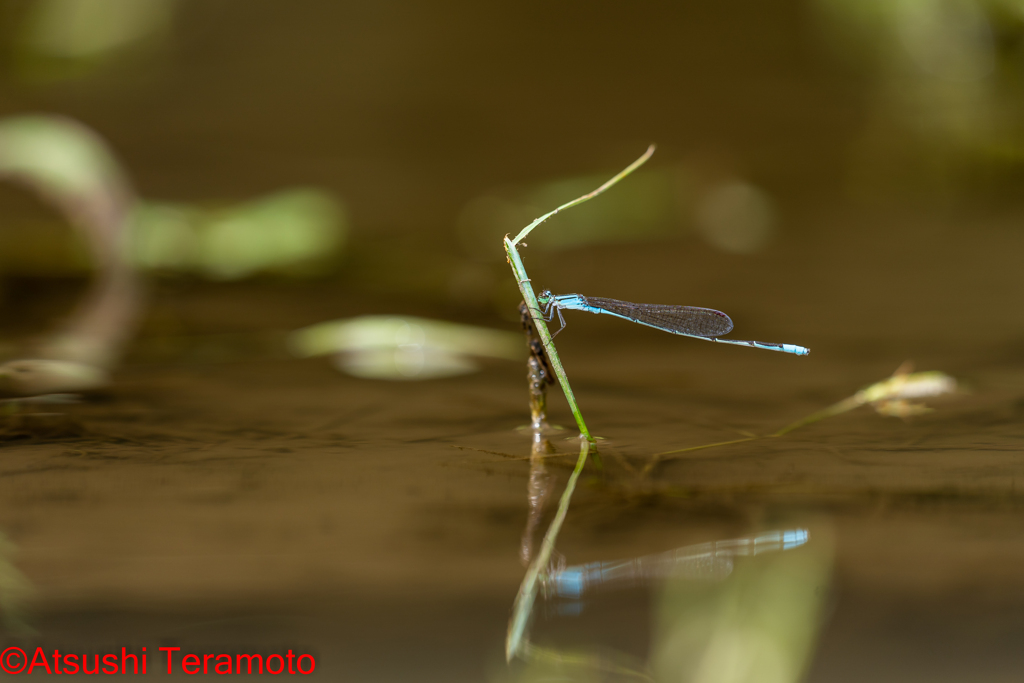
x=544 y=296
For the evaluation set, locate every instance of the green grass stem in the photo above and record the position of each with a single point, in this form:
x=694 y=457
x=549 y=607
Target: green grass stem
x=545 y=337
x=530 y=297
x=579 y=200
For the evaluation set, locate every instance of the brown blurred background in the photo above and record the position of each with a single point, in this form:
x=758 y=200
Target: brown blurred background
x=841 y=174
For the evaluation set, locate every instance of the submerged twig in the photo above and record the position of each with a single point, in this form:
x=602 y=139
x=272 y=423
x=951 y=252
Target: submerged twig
x=538 y=375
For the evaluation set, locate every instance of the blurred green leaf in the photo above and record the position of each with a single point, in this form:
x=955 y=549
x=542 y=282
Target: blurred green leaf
x=63 y=39
x=293 y=231
x=62 y=160
x=758 y=626
x=405 y=347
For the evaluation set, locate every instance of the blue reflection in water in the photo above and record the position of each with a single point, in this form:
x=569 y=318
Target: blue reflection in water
x=708 y=561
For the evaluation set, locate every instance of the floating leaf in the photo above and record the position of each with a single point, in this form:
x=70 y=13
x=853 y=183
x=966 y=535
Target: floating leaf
x=39 y=376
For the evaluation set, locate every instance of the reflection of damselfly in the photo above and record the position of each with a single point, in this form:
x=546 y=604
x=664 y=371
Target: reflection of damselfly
x=704 y=561
x=689 y=321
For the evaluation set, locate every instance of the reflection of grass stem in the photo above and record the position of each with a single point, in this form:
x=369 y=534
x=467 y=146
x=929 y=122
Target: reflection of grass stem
x=526 y=288
x=572 y=660
x=521 y=611
x=14 y=589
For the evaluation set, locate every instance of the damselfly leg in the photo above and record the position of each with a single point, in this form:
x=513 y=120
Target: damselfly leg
x=558 y=310
x=551 y=309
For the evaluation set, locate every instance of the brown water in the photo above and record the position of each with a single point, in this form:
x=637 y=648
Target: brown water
x=276 y=502
x=225 y=497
